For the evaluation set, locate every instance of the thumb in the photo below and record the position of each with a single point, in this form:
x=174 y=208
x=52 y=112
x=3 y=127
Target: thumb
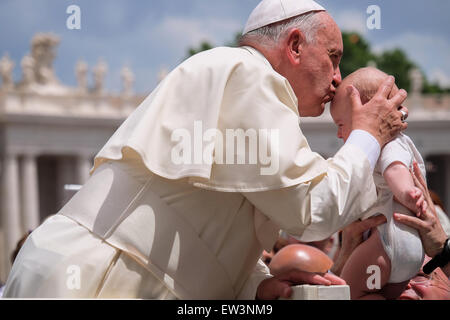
x=286 y=291
x=280 y=289
x=271 y=289
x=355 y=98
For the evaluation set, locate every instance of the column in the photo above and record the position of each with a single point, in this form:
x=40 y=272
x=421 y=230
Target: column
x=30 y=193
x=66 y=174
x=84 y=165
x=10 y=206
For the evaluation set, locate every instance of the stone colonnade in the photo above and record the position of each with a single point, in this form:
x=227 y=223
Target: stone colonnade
x=20 y=197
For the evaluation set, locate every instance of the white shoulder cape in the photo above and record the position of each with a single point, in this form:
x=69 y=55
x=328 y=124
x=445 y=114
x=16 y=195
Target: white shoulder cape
x=215 y=93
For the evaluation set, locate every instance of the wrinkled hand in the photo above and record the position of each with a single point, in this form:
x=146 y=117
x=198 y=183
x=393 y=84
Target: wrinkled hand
x=427 y=224
x=380 y=116
x=280 y=286
x=352 y=236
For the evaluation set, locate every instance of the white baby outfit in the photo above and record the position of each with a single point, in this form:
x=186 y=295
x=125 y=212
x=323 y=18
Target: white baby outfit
x=401 y=243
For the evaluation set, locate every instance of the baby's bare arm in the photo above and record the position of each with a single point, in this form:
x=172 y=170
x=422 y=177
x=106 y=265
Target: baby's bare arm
x=402 y=186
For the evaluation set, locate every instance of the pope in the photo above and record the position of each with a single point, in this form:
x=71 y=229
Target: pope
x=146 y=226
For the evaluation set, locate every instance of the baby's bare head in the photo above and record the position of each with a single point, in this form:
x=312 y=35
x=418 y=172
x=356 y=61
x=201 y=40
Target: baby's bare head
x=367 y=81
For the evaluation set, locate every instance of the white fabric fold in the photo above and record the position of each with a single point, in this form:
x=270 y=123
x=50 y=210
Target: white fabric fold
x=223 y=90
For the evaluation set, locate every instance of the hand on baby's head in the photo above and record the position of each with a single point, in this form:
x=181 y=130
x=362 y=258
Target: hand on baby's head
x=366 y=83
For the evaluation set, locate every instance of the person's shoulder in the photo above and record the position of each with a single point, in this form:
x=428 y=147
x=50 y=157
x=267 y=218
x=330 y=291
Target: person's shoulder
x=218 y=56
x=233 y=59
x=396 y=150
x=404 y=138
x=401 y=142
x=405 y=142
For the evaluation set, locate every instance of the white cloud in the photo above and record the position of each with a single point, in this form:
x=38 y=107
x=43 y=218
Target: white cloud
x=430 y=52
x=351 y=20
x=146 y=47
x=113 y=14
x=441 y=78
x=183 y=32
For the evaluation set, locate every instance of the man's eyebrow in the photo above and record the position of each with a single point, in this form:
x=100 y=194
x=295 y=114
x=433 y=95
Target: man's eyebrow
x=336 y=51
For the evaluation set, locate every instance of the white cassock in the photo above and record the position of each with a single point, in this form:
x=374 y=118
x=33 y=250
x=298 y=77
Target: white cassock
x=147 y=225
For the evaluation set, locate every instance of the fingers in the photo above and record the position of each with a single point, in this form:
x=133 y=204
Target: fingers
x=267 y=256
x=417 y=182
x=355 y=98
x=398 y=100
x=404 y=126
x=287 y=291
x=280 y=286
x=273 y=288
x=422 y=209
x=302 y=277
x=282 y=290
x=404 y=111
x=386 y=87
x=412 y=222
x=419 y=176
x=420 y=201
x=417 y=195
x=335 y=280
x=424 y=206
x=420 y=183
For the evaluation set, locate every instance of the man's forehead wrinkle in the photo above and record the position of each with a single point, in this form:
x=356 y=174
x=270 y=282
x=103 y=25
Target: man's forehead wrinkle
x=331 y=40
x=330 y=28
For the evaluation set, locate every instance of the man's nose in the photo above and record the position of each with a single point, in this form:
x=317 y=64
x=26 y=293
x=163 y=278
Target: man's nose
x=337 y=78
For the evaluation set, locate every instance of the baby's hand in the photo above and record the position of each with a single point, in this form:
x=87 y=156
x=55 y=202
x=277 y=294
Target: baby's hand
x=415 y=201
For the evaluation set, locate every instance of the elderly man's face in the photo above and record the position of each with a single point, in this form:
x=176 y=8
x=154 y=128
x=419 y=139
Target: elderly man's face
x=435 y=286
x=317 y=76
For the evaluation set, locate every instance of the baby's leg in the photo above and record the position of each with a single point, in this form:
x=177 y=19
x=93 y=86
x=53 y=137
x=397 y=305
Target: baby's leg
x=356 y=273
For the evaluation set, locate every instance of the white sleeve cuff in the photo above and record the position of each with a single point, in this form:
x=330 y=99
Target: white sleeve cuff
x=261 y=272
x=367 y=143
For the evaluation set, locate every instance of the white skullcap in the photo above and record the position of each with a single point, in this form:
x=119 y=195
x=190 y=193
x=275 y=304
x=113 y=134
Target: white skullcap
x=271 y=11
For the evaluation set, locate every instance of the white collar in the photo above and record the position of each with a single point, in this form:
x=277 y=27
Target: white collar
x=258 y=54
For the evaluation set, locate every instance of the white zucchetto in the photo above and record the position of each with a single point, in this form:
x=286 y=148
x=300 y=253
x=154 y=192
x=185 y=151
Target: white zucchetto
x=272 y=11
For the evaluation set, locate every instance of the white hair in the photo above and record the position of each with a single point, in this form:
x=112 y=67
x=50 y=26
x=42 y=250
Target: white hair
x=308 y=23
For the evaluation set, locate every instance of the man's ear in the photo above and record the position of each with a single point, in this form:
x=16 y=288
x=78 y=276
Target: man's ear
x=294 y=43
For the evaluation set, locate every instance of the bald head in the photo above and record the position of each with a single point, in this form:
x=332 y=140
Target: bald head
x=300 y=257
x=367 y=81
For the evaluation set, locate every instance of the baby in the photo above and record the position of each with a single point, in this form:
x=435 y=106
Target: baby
x=396 y=249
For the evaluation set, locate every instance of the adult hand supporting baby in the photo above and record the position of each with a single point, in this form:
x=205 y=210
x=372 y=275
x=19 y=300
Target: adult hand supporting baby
x=380 y=116
x=430 y=229
x=352 y=236
x=280 y=286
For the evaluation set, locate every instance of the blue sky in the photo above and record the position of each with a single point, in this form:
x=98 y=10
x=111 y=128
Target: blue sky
x=148 y=35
